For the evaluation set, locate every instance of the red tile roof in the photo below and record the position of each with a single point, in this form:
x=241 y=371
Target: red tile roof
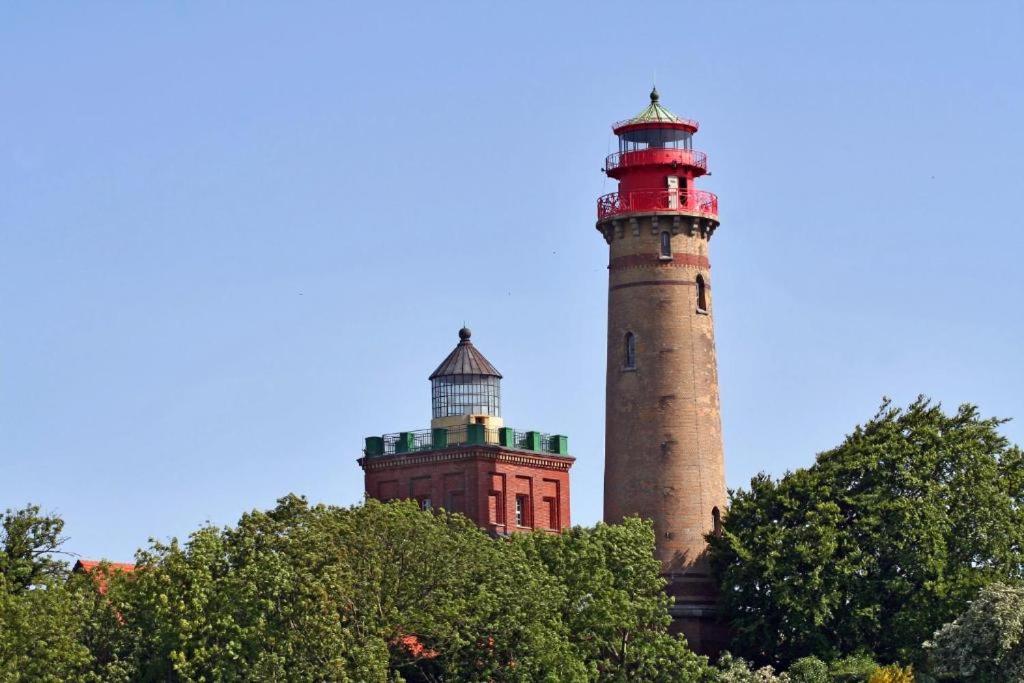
x=89 y=566
x=414 y=647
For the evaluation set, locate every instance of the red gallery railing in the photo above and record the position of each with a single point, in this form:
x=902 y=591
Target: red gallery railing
x=657 y=155
x=642 y=201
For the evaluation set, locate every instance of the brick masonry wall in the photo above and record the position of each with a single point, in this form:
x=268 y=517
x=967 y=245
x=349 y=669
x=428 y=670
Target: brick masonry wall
x=481 y=482
x=663 y=441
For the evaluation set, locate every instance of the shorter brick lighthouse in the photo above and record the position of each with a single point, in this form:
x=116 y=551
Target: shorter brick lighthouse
x=504 y=479
x=663 y=434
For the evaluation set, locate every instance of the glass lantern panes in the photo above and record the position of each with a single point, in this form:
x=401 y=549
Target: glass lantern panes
x=466 y=395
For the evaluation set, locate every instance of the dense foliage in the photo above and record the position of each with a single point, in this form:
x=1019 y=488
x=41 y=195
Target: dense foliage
x=986 y=642
x=855 y=669
x=880 y=542
x=378 y=592
x=613 y=602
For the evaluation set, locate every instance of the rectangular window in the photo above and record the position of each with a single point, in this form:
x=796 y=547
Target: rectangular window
x=552 y=509
x=425 y=503
x=522 y=510
x=495 y=513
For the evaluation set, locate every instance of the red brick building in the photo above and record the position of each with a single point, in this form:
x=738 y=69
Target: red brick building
x=505 y=480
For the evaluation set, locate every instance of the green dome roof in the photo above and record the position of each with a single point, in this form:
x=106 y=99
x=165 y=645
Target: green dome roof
x=655 y=113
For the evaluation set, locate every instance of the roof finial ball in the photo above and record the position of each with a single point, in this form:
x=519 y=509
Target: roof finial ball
x=654 y=94
x=465 y=333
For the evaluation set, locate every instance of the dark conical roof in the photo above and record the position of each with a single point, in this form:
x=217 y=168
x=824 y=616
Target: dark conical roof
x=465 y=360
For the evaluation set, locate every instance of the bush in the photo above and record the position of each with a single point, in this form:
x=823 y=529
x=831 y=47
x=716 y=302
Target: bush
x=892 y=674
x=736 y=670
x=853 y=669
x=809 y=670
x=986 y=642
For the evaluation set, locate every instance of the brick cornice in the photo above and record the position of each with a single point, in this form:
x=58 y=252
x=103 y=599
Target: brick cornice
x=462 y=453
x=656 y=261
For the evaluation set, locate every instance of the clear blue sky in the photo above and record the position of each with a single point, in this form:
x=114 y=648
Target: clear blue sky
x=235 y=238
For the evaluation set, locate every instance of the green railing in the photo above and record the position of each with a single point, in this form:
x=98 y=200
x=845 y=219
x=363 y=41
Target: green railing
x=464 y=435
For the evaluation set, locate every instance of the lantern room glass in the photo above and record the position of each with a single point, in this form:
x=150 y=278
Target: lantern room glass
x=665 y=138
x=454 y=395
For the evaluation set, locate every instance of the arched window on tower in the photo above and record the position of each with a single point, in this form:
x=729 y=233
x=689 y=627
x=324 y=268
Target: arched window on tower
x=666 y=245
x=702 y=299
x=716 y=519
x=630 y=351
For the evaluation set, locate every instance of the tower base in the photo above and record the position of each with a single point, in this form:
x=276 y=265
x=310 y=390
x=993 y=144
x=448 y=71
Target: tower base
x=694 y=611
x=705 y=633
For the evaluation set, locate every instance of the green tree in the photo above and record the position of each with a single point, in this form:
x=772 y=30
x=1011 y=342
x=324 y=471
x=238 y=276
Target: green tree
x=614 y=602
x=29 y=541
x=882 y=540
x=40 y=635
x=357 y=594
x=986 y=643
x=42 y=617
x=259 y=601
x=376 y=593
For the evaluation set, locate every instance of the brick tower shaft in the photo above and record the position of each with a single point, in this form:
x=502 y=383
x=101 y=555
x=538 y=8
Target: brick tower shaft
x=663 y=440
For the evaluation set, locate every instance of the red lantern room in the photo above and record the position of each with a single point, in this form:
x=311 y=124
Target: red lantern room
x=656 y=166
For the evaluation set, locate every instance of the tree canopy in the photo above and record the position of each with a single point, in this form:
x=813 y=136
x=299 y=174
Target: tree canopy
x=881 y=544
x=42 y=616
x=986 y=643
x=613 y=602
x=377 y=592
x=881 y=541
x=28 y=542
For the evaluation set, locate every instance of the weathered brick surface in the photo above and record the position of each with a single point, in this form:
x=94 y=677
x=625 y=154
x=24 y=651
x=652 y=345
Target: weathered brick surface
x=481 y=482
x=663 y=439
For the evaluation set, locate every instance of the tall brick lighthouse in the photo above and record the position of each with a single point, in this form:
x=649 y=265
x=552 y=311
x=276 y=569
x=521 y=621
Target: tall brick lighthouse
x=663 y=434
